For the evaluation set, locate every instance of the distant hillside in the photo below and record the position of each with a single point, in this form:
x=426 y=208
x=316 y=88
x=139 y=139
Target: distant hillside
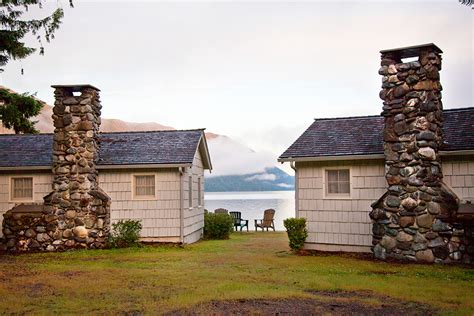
x=273 y=179
x=236 y=166
x=45 y=124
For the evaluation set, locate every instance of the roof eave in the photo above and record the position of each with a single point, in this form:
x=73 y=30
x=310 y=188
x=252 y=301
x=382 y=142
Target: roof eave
x=18 y=168
x=144 y=166
x=205 y=150
x=104 y=167
x=326 y=158
x=364 y=157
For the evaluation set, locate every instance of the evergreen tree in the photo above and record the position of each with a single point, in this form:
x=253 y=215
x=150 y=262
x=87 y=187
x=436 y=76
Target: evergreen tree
x=16 y=109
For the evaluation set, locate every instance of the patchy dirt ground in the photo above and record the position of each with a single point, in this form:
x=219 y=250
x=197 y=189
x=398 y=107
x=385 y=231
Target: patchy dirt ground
x=249 y=274
x=334 y=303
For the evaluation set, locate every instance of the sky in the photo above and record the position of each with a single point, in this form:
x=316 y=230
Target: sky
x=258 y=72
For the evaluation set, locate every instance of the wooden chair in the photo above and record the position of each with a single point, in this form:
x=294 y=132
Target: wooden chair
x=267 y=221
x=221 y=211
x=238 y=221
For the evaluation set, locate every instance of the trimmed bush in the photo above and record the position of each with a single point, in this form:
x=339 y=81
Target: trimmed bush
x=217 y=226
x=125 y=233
x=297 y=233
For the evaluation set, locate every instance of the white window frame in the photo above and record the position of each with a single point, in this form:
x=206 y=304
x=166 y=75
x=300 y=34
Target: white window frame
x=190 y=192
x=21 y=200
x=338 y=196
x=144 y=197
x=200 y=199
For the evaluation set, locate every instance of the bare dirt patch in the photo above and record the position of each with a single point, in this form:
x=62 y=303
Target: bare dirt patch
x=324 y=302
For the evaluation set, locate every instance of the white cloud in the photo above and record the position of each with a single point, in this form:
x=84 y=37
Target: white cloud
x=285 y=185
x=262 y=177
x=230 y=157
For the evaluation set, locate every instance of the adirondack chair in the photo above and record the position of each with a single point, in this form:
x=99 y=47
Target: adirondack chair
x=221 y=211
x=267 y=221
x=238 y=221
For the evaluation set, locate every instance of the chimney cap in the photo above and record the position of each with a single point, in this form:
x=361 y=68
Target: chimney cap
x=412 y=51
x=74 y=87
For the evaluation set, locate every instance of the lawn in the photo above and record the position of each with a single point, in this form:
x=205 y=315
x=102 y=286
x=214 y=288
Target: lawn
x=249 y=266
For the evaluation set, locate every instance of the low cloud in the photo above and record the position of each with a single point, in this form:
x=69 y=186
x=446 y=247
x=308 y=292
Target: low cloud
x=262 y=177
x=285 y=185
x=232 y=158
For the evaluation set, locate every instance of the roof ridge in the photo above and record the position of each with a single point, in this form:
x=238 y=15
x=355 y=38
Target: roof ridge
x=345 y=117
x=459 y=109
x=373 y=115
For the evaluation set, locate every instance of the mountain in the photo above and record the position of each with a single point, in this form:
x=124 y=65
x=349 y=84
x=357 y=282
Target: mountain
x=236 y=166
x=272 y=179
x=45 y=124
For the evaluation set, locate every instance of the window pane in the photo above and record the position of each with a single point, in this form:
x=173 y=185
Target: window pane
x=332 y=187
x=344 y=175
x=28 y=193
x=332 y=175
x=139 y=191
x=344 y=187
x=150 y=181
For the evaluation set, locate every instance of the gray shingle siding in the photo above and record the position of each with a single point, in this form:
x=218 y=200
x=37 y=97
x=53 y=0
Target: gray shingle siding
x=363 y=135
x=128 y=148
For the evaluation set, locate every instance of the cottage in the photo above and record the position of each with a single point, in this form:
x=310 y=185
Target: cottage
x=342 y=166
x=340 y=171
x=156 y=177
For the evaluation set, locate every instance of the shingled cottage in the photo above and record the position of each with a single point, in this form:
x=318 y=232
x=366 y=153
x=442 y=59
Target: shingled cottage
x=156 y=177
x=423 y=155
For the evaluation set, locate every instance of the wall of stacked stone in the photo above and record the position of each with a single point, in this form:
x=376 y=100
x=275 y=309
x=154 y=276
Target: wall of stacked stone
x=77 y=211
x=414 y=219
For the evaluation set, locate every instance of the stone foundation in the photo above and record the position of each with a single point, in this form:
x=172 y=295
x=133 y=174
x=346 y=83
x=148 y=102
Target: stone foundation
x=76 y=214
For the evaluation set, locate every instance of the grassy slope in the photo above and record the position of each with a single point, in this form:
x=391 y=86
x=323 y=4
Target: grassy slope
x=254 y=265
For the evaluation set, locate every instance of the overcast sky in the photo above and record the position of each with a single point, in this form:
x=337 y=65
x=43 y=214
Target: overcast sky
x=258 y=72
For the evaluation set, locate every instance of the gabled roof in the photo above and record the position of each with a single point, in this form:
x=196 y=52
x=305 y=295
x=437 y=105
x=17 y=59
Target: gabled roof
x=360 y=136
x=116 y=149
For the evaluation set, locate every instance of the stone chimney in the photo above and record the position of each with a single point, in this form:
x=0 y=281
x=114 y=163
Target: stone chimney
x=76 y=214
x=413 y=219
x=81 y=207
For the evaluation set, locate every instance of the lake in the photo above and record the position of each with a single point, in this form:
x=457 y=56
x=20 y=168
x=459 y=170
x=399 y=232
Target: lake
x=252 y=204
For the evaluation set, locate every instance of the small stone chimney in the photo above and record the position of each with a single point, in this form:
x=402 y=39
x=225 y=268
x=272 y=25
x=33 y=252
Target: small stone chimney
x=81 y=207
x=76 y=214
x=413 y=220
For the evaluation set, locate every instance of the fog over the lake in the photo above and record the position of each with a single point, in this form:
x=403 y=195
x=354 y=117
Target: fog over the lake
x=230 y=157
x=258 y=72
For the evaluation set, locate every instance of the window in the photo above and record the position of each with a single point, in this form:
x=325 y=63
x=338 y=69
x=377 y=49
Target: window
x=144 y=186
x=199 y=192
x=338 y=182
x=22 y=189
x=190 y=191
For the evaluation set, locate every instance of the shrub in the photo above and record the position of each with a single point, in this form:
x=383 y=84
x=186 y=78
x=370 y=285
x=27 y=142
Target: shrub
x=217 y=226
x=125 y=233
x=297 y=233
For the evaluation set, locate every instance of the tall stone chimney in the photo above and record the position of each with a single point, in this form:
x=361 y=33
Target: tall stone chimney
x=413 y=219
x=76 y=214
x=81 y=207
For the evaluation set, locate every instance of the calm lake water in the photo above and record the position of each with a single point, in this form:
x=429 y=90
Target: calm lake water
x=252 y=204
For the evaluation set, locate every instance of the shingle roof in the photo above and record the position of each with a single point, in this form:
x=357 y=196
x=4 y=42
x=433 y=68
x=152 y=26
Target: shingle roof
x=127 y=148
x=363 y=135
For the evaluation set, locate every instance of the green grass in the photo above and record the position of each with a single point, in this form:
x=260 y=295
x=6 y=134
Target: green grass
x=250 y=265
